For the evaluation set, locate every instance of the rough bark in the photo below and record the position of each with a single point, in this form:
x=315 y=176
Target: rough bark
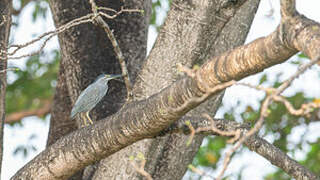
x=279 y=158
x=87 y=52
x=169 y=157
x=5 y=23
x=191 y=33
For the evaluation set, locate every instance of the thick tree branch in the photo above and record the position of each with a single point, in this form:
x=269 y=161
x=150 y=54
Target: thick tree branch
x=146 y=118
x=192 y=33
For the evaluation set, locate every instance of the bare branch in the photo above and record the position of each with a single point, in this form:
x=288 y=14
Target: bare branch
x=98 y=19
x=301 y=70
x=264 y=113
x=279 y=158
x=199 y=171
x=8 y=69
x=254 y=143
x=305 y=109
x=89 y=18
x=47 y=36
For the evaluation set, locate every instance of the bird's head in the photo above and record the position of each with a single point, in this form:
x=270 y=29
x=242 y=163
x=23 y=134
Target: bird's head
x=108 y=76
x=112 y=76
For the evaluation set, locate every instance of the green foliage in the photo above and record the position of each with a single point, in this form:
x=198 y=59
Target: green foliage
x=33 y=84
x=263 y=79
x=210 y=154
x=26 y=148
x=40 y=9
x=313 y=158
x=279 y=123
x=301 y=55
x=157 y=6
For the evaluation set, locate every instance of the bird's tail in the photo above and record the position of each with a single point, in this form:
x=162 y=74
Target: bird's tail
x=73 y=113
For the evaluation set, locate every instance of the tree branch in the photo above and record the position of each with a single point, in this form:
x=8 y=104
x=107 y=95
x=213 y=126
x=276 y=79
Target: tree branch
x=279 y=158
x=98 y=19
x=254 y=143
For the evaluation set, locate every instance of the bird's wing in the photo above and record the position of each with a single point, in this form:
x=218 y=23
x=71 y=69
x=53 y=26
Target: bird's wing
x=88 y=99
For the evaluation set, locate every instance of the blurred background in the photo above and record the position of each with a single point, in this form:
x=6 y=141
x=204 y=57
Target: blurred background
x=31 y=88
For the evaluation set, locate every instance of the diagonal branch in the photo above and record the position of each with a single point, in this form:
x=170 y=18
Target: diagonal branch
x=254 y=143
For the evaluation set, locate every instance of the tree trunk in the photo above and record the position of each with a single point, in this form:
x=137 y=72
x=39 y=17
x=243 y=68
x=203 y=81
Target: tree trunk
x=87 y=52
x=5 y=23
x=187 y=37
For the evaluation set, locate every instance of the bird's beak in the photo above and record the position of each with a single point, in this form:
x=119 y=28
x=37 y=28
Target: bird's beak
x=114 y=76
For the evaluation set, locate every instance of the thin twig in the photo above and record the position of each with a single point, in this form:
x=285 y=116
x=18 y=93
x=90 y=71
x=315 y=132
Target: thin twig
x=305 y=109
x=192 y=132
x=235 y=133
x=254 y=143
x=263 y=114
x=47 y=36
x=116 y=12
x=199 y=171
x=140 y=168
x=301 y=69
x=98 y=19
x=9 y=69
x=89 y=18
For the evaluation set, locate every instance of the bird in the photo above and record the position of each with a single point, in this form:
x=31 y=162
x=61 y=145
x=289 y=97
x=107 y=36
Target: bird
x=91 y=96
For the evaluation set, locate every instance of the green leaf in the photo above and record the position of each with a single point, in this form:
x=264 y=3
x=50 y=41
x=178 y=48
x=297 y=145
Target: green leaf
x=301 y=55
x=263 y=79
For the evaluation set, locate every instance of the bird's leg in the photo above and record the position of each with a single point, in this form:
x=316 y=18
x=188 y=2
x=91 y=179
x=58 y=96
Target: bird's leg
x=88 y=116
x=84 y=120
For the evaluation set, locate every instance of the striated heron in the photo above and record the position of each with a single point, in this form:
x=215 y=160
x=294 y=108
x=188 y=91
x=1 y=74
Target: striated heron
x=91 y=96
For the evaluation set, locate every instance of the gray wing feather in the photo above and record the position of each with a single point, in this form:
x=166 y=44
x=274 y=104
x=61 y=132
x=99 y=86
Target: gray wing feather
x=89 y=98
